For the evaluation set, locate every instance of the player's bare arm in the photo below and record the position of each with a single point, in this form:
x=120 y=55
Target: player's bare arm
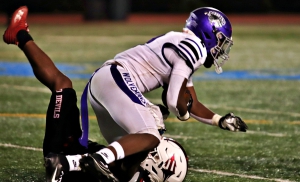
x=201 y=113
x=198 y=108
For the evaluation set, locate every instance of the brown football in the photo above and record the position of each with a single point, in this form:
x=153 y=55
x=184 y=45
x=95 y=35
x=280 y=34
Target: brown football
x=187 y=96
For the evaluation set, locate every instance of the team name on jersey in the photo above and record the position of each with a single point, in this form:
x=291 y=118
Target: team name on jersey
x=130 y=84
x=58 y=101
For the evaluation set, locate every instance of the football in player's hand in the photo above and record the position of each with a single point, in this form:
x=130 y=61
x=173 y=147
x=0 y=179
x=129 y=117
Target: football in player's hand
x=187 y=96
x=164 y=96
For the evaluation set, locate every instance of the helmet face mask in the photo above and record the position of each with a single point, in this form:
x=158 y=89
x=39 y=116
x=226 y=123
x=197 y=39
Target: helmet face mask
x=221 y=50
x=214 y=29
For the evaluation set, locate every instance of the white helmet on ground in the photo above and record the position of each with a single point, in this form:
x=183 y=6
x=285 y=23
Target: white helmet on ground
x=167 y=163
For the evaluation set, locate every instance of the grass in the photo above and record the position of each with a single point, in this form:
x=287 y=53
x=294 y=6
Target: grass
x=268 y=152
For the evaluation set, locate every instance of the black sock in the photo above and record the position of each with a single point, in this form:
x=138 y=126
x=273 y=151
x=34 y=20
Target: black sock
x=23 y=37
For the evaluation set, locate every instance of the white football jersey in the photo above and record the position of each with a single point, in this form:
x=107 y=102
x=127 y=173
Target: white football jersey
x=166 y=60
x=152 y=64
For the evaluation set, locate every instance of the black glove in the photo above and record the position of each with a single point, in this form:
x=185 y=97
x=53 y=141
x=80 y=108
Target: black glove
x=232 y=123
x=164 y=111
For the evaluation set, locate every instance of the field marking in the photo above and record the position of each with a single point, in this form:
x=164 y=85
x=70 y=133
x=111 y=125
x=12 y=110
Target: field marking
x=255 y=110
x=27 y=88
x=263 y=111
x=249 y=121
x=21 y=115
x=238 y=175
x=192 y=169
x=19 y=147
x=179 y=136
x=267 y=133
x=27 y=115
x=248 y=132
x=46 y=90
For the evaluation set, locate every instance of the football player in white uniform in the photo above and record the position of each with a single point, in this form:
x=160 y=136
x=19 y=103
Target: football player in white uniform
x=127 y=119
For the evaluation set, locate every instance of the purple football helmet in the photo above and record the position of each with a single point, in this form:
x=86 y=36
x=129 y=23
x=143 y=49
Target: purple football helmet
x=215 y=31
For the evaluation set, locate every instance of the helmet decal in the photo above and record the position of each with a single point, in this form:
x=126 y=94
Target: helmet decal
x=169 y=167
x=167 y=162
x=215 y=19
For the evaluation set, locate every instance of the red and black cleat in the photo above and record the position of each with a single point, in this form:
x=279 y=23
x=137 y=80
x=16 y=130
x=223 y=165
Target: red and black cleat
x=18 y=22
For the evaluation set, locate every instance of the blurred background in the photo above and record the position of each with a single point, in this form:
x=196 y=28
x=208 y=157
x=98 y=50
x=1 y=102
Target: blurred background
x=117 y=10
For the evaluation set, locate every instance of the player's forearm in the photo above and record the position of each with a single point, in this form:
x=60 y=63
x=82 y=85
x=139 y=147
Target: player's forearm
x=204 y=115
x=211 y=121
x=227 y=122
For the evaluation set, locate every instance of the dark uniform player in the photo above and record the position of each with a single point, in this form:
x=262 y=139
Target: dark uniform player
x=62 y=121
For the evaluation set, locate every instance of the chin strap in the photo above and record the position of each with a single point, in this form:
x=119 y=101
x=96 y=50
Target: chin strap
x=218 y=68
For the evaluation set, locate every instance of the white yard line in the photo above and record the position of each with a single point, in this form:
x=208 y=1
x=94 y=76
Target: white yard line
x=267 y=133
x=254 y=110
x=27 y=88
x=19 y=147
x=33 y=89
x=264 y=111
x=46 y=90
x=26 y=115
x=179 y=136
x=222 y=173
x=248 y=132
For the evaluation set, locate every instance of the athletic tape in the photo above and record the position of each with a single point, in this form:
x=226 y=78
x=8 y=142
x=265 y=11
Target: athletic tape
x=119 y=149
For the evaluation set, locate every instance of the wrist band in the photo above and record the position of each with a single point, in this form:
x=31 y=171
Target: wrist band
x=215 y=119
x=107 y=155
x=184 y=117
x=119 y=149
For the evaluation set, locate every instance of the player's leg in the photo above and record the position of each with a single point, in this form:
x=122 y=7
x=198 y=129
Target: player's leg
x=125 y=122
x=121 y=109
x=43 y=67
x=122 y=169
x=63 y=96
x=62 y=122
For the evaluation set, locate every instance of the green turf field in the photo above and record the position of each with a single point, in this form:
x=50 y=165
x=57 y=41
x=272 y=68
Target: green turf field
x=269 y=151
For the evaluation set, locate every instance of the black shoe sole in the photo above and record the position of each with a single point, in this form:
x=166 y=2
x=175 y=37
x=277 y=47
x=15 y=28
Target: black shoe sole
x=50 y=172
x=91 y=165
